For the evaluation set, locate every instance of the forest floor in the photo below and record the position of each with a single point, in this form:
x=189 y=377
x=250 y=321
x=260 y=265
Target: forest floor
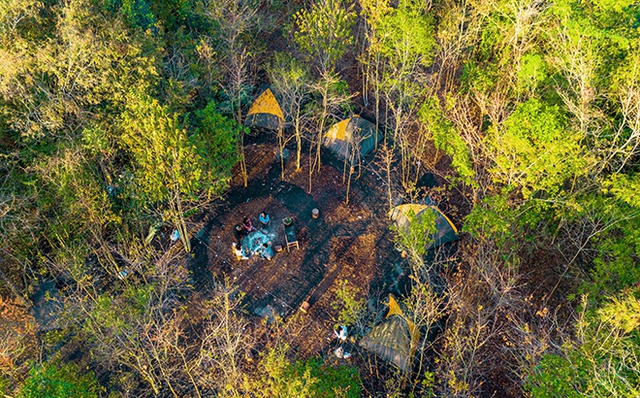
x=346 y=242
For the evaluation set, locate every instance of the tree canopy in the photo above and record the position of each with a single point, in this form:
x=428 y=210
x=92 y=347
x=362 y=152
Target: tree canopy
x=122 y=123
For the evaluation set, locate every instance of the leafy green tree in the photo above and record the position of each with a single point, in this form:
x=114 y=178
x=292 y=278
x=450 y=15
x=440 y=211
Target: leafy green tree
x=334 y=97
x=55 y=379
x=76 y=65
x=604 y=361
x=347 y=304
x=15 y=14
x=615 y=237
x=417 y=237
x=235 y=24
x=405 y=36
x=534 y=151
x=137 y=13
x=309 y=379
x=595 y=51
x=171 y=166
x=136 y=330
x=446 y=137
x=403 y=43
x=324 y=32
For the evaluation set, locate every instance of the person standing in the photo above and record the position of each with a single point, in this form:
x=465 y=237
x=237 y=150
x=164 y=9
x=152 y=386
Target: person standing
x=239 y=233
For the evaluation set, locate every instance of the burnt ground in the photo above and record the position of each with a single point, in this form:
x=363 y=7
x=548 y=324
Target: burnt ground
x=347 y=242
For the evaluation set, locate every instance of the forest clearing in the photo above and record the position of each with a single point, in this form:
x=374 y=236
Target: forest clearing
x=274 y=198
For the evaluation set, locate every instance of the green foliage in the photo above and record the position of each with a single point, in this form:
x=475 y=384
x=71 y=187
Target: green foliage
x=350 y=308
x=532 y=71
x=622 y=313
x=447 y=138
x=69 y=188
x=605 y=360
x=167 y=161
x=479 y=77
x=616 y=266
x=616 y=235
x=55 y=379
x=332 y=382
x=534 y=151
x=120 y=311
x=418 y=236
x=278 y=380
x=69 y=184
x=4 y=385
x=493 y=217
x=307 y=379
x=625 y=188
x=136 y=12
x=15 y=15
x=85 y=64
x=291 y=79
x=325 y=31
x=215 y=142
x=613 y=5
x=164 y=160
x=406 y=35
x=71 y=130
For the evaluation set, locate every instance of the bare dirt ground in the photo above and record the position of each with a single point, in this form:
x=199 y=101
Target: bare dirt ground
x=347 y=242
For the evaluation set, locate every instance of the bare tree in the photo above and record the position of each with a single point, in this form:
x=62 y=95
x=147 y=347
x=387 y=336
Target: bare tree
x=332 y=99
x=292 y=81
x=226 y=343
x=236 y=18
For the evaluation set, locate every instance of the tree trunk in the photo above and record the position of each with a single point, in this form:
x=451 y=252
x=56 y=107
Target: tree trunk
x=281 y=144
x=298 y=139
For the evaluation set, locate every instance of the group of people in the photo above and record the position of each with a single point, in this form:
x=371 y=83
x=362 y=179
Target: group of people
x=244 y=229
x=341 y=333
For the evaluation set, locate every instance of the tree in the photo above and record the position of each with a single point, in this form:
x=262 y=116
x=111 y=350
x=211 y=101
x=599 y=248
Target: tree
x=309 y=379
x=55 y=379
x=227 y=340
x=170 y=166
x=417 y=237
x=137 y=329
x=75 y=65
x=448 y=138
x=604 y=360
x=533 y=151
x=324 y=32
x=291 y=80
x=370 y=59
x=236 y=22
x=333 y=93
x=404 y=45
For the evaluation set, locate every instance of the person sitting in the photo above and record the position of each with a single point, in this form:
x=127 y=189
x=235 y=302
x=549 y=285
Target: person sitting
x=266 y=251
x=247 y=225
x=341 y=333
x=264 y=219
x=237 y=250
